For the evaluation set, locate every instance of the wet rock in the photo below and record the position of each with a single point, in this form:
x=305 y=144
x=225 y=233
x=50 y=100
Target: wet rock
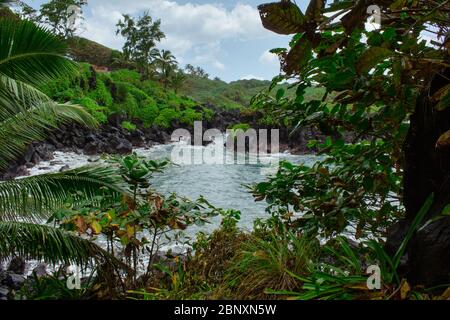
x=22 y=171
x=137 y=138
x=93 y=159
x=17 y=265
x=119 y=146
x=4 y=291
x=14 y=281
x=124 y=147
x=44 y=151
x=91 y=148
x=29 y=165
x=40 y=270
x=64 y=168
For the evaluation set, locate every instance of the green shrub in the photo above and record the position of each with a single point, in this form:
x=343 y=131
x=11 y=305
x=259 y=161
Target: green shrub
x=130 y=106
x=188 y=116
x=101 y=94
x=208 y=114
x=241 y=126
x=124 y=75
x=148 y=112
x=268 y=263
x=165 y=118
x=128 y=126
x=153 y=89
x=137 y=93
x=60 y=89
x=121 y=92
x=98 y=112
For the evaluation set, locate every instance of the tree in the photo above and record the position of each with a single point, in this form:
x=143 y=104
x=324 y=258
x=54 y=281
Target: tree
x=28 y=12
x=30 y=56
x=177 y=79
x=190 y=69
x=196 y=71
x=166 y=63
x=61 y=16
x=141 y=36
x=199 y=72
x=390 y=91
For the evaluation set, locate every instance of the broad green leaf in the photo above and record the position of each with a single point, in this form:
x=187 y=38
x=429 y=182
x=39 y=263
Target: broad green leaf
x=280 y=93
x=371 y=57
x=96 y=227
x=446 y=211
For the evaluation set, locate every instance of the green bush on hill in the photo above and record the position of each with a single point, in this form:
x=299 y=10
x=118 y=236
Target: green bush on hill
x=122 y=91
x=127 y=125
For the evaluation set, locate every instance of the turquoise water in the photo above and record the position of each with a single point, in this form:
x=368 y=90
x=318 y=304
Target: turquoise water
x=223 y=185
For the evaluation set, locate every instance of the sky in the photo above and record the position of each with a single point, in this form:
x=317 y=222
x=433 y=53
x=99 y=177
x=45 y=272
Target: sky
x=224 y=37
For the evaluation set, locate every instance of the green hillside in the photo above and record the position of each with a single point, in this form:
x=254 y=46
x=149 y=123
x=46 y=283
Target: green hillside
x=232 y=95
x=122 y=92
x=226 y=95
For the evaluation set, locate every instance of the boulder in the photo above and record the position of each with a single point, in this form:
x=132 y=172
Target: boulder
x=17 y=265
x=91 y=148
x=64 y=168
x=4 y=291
x=14 y=281
x=40 y=270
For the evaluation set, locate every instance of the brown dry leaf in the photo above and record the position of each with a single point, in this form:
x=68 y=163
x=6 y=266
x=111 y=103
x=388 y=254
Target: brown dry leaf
x=446 y=294
x=297 y=57
x=130 y=230
x=80 y=224
x=282 y=17
x=355 y=17
x=444 y=140
x=404 y=290
x=158 y=202
x=314 y=11
x=371 y=57
x=359 y=286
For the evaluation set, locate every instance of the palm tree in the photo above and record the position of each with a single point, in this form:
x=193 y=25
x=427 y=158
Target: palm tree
x=166 y=62
x=177 y=79
x=30 y=55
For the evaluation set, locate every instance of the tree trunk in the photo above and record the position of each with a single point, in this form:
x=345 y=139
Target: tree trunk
x=427 y=170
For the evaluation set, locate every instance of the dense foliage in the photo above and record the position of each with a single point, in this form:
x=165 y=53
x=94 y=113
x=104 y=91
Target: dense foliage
x=379 y=198
x=122 y=92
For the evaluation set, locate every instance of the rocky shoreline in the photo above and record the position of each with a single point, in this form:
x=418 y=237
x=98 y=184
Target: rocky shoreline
x=111 y=138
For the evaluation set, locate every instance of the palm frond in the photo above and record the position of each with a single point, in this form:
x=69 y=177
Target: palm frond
x=34 y=198
x=52 y=245
x=17 y=96
x=32 y=54
x=29 y=114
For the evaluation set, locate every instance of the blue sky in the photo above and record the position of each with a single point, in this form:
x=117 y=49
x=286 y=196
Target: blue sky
x=225 y=38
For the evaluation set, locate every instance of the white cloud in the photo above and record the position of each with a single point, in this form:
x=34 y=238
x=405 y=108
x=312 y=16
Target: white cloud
x=218 y=65
x=269 y=59
x=251 y=76
x=197 y=29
